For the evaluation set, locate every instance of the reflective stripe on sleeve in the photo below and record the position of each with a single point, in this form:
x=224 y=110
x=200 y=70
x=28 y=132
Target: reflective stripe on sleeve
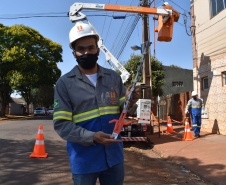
x=95 y=113
x=122 y=100
x=62 y=115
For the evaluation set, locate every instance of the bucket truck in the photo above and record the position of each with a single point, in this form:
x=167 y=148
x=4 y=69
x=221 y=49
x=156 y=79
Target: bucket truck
x=166 y=18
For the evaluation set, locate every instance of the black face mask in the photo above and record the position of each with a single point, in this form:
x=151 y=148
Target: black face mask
x=195 y=98
x=87 y=61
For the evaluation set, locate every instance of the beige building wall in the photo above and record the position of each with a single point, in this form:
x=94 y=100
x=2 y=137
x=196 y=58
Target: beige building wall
x=211 y=62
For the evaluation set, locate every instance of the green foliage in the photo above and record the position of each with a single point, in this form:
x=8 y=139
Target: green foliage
x=43 y=96
x=157 y=73
x=157 y=77
x=132 y=65
x=175 y=66
x=5 y=89
x=27 y=59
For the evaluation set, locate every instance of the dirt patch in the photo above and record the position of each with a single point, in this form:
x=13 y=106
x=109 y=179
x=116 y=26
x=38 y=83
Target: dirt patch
x=143 y=166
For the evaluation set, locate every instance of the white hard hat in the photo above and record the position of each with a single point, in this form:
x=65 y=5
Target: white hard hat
x=81 y=30
x=194 y=93
x=165 y=4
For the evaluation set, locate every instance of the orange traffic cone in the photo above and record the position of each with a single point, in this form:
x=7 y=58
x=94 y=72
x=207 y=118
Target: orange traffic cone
x=187 y=132
x=169 y=126
x=39 y=149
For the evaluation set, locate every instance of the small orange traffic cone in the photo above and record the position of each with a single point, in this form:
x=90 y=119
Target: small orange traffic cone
x=187 y=132
x=39 y=149
x=169 y=126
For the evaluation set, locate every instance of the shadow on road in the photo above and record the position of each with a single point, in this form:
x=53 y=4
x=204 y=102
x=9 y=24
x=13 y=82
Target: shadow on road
x=49 y=117
x=18 y=169
x=140 y=167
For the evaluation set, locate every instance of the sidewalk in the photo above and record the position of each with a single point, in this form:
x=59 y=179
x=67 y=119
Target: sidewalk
x=15 y=117
x=204 y=156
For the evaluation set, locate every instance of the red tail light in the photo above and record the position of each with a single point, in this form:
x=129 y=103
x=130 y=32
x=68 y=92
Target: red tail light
x=144 y=128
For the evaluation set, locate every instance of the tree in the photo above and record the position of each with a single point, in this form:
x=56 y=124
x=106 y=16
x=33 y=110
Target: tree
x=157 y=73
x=5 y=89
x=175 y=66
x=157 y=77
x=43 y=96
x=33 y=60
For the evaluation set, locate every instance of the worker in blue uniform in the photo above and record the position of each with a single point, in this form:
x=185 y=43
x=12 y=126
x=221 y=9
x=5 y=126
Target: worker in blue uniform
x=195 y=105
x=85 y=100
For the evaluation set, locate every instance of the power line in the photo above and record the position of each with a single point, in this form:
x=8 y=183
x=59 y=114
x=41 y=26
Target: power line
x=104 y=21
x=122 y=41
x=53 y=16
x=178 y=5
x=32 y=14
x=185 y=23
x=35 y=16
x=110 y=25
x=129 y=35
x=125 y=35
x=120 y=30
x=215 y=36
x=211 y=25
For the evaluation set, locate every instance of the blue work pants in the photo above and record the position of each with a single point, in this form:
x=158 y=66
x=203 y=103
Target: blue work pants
x=196 y=122
x=111 y=176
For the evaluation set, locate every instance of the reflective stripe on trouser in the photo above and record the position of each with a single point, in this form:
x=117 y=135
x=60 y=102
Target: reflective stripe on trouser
x=196 y=123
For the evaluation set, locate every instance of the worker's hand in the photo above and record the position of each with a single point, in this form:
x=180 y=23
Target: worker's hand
x=186 y=111
x=104 y=139
x=135 y=95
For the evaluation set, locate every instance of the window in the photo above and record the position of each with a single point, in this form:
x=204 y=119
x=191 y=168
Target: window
x=177 y=84
x=205 y=83
x=224 y=78
x=217 y=6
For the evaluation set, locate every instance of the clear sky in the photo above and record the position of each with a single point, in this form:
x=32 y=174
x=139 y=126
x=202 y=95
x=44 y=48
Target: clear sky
x=177 y=52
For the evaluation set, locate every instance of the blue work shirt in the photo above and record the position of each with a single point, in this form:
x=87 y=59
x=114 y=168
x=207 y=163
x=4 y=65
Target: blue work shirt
x=195 y=105
x=81 y=110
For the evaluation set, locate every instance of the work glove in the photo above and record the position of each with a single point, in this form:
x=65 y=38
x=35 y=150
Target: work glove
x=186 y=111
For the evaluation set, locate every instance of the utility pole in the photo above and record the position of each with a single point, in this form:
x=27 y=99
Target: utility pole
x=194 y=50
x=147 y=61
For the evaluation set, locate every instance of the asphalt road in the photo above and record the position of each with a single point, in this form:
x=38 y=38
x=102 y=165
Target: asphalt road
x=17 y=139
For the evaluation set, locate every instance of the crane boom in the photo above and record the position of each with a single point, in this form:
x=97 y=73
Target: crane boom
x=166 y=15
x=76 y=7
x=109 y=57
